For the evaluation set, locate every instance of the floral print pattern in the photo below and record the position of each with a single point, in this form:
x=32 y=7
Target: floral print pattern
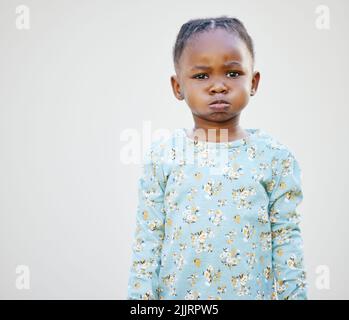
x=218 y=221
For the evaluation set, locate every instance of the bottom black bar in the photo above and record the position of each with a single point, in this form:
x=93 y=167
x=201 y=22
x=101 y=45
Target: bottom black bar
x=168 y=309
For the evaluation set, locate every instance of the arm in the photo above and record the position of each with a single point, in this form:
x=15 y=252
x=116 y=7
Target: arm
x=149 y=232
x=287 y=244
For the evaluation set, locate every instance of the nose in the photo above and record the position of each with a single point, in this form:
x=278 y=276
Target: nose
x=218 y=87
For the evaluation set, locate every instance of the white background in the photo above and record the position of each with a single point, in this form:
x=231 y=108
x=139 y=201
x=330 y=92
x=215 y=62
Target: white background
x=86 y=71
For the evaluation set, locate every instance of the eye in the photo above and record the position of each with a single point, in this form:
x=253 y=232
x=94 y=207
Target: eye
x=234 y=72
x=199 y=75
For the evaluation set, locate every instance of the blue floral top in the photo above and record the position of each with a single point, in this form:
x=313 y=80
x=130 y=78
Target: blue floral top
x=218 y=221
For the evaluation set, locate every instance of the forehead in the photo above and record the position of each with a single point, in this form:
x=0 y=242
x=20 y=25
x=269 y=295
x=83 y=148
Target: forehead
x=215 y=46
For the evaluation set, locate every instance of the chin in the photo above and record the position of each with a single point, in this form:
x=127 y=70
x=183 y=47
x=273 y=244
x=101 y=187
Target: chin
x=221 y=115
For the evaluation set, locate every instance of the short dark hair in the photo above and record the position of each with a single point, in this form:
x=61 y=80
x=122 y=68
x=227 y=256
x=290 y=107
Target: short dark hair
x=195 y=26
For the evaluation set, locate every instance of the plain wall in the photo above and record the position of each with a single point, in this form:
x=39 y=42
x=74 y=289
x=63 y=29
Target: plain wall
x=86 y=71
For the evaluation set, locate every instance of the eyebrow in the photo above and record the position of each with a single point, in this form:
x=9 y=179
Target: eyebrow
x=227 y=64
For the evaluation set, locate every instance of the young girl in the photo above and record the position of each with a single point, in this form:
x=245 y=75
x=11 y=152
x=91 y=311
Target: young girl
x=217 y=220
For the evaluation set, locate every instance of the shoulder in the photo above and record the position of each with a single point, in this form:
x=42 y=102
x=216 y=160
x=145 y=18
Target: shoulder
x=272 y=146
x=163 y=143
x=282 y=158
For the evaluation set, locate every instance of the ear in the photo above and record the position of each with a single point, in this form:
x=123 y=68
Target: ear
x=255 y=81
x=176 y=87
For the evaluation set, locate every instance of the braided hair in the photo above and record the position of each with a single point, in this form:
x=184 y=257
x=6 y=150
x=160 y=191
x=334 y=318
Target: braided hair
x=195 y=26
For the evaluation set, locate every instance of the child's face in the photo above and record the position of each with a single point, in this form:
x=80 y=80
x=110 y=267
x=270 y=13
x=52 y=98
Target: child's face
x=201 y=86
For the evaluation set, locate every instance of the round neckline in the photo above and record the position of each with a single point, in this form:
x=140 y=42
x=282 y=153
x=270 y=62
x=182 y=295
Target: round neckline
x=229 y=144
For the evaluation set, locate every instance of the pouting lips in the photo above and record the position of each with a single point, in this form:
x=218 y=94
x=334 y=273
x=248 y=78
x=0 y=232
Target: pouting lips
x=219 y=102
x=219 y=105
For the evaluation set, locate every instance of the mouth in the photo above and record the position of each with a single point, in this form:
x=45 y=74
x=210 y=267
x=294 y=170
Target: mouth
x=219 y=105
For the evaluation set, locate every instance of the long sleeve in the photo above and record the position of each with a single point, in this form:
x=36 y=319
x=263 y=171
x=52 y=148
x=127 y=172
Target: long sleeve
x=287 y=244
x=149 y=232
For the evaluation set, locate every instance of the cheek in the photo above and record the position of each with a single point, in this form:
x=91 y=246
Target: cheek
x=194 y=87
x=195 y=91
x=242 y=88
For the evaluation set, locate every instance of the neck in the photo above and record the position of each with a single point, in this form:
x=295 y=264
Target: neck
x=217 y=131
